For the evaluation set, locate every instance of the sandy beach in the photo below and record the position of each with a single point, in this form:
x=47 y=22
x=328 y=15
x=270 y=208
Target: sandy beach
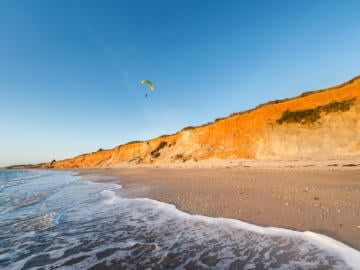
x=305 y=198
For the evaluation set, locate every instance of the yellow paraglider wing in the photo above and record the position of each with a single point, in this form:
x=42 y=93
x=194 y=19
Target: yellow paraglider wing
x=149 y=84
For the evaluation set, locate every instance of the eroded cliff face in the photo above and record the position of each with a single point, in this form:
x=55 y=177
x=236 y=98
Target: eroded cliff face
x=317 y=125
x=334 y=135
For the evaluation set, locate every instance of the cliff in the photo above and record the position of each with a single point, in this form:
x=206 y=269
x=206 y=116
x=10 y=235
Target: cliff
x=315 y=125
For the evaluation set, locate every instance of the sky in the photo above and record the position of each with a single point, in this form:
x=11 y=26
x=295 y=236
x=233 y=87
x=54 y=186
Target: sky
x=70 y=71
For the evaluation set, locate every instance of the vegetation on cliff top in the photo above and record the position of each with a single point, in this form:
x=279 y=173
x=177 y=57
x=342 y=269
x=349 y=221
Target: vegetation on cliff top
x=311 y=115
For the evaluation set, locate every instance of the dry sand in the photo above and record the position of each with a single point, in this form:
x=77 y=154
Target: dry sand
x=303 y=197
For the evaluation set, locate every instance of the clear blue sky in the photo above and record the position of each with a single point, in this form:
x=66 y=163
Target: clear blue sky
x=70 y=70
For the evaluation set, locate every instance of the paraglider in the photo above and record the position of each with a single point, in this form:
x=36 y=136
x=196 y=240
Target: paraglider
x=149 y=84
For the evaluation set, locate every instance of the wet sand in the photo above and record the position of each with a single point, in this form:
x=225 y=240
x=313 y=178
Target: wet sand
x=324 y=200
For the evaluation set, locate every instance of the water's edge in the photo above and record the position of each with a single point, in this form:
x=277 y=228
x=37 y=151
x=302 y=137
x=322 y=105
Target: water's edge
x=350 y=255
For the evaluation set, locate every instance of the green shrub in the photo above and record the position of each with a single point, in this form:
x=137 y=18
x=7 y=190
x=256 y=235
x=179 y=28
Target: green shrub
x=336 y=106
x=312 y=115
x=302 y=116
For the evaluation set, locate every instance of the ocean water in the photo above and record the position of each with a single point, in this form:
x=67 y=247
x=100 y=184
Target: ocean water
x=58 y=220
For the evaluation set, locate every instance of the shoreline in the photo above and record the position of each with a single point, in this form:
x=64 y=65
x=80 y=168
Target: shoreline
x=321 y=200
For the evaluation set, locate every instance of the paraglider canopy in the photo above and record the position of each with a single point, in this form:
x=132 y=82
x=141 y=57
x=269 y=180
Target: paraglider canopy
x=149 y=84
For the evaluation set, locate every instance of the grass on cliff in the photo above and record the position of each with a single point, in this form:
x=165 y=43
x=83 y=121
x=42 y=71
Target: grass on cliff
x=311 y=115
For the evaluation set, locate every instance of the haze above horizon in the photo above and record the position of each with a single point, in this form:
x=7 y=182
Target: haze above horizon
x=70 y=71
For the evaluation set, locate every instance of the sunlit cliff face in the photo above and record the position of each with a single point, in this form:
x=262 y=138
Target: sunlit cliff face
x=322 y=124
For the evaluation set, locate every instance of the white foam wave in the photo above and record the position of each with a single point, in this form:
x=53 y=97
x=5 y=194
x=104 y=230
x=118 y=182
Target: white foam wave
x=350 y=255
x=110 y=195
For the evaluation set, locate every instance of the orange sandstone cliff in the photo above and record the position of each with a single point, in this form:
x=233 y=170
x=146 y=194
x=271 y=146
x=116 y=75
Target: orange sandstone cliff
x=315 y=125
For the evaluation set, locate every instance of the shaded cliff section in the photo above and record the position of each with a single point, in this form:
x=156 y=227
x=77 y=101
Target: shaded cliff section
x=322 y=124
